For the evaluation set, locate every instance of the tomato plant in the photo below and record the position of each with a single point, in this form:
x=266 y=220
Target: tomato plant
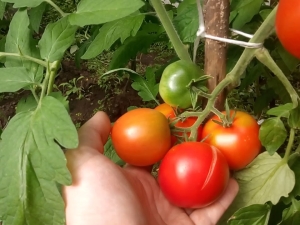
x=141 y=137
x=287 y=26
x=193 y=174
x=169 y=112
x=239 y=142
x=173 y=86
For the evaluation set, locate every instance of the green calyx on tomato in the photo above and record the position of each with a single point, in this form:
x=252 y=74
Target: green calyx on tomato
x=239 y=142
x=174 y=86
x=193 y=175
x=287 y=25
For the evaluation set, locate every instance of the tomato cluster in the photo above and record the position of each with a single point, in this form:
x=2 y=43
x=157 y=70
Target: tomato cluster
x=192 y=174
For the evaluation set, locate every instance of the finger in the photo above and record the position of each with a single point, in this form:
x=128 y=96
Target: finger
x=212 y=213
x=94 y=133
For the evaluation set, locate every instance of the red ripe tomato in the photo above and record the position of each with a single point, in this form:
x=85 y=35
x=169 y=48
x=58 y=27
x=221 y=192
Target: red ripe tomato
x=141 y=137
x=193 y=174
x=287 y=25
x=168 y=111
x=239 y=143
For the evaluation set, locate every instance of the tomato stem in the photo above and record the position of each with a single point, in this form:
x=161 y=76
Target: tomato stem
x=53 y=71
x=45 y=83
x=57 y=8
x=32 y=59
x=265 y=58
x=179 y=47
x=290 y=145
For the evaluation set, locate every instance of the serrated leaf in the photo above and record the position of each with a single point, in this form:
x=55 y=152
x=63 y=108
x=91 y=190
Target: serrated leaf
x=14 y=78
x=294 y=164
x=24 y=3
x=291 y=215
x=57 y=38
x=187 y=23
x=294 y=118
x=244 y=11
x=27 y=103
x=256 y=214
x=102 y=11
x=110 y=153
x=35 y=16
x=272 y=134
x=147 y=88
x=19 y=40
x=266 y=179
x=2 y=9
x=110 y=32
x=281 y=110
x=130 y=48
x=33 y=163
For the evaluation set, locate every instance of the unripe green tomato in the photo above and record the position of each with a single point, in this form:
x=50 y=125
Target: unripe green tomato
x=173 y=86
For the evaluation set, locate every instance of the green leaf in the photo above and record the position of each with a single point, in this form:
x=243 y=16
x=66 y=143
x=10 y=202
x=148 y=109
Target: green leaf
x=33 y=163
x=60 y=97
x=35 y=16
x=14 y=78
x=110 y=153
x=281 y=110
x=130 y=48
x=146 y=88
x=291 y=215
x=266 y=179
x=110 y=32
x=263 y=100
x=256 y=214
x=264 y=13
x=102 y=11
x=279 y=89
x=187 y=23
x=26 y=104
x=19 y=40
x=2 y=9
x=294 y=164
x=244 y=11
x=57 y=38
x=24 y=3
x=252 y=75
x=294 y=118
x=272 y=134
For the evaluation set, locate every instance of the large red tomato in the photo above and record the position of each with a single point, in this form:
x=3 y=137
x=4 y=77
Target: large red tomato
x=239 y=143
x=141 y=137
x=193 y=174
x=287 y=25
x=168 y=111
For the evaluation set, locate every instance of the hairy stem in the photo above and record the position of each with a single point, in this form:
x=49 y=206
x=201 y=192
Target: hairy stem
x=57 y=8
x=34 y=95
x=45 y=84
x=53 y=71
x=32 y=59
x=290 y=145
x=179 y=47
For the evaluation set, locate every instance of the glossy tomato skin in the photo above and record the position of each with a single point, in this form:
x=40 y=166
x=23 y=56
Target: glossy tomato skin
x=174 y=80
x=287 y=25
x=141 y=137
x=168 y=111
x=193 y=175
x=239 y=143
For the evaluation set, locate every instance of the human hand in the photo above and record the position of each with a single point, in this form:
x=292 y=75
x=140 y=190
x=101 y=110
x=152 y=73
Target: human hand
x=104 y=193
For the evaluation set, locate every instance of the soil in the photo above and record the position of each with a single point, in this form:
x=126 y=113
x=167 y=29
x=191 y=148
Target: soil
x=113 y=97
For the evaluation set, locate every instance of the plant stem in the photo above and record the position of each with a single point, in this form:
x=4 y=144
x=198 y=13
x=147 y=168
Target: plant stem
x=45 y=84
x=179 y=47
x=34 y=95
x=38 y=61
x=58 y=9
x=53 y=71
x=290 y=145
x=265 y=58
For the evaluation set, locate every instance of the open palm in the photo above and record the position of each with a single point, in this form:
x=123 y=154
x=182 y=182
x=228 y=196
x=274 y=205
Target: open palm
x=104 y=193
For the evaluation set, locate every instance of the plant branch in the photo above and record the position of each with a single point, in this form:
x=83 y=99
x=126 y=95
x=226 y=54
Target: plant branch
x=57 y=8
x=179 y=47
x=45 y=83
x=290 y=145
x=53 y=71
x=32 y=59
x=34 y=95
x=265 y=58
